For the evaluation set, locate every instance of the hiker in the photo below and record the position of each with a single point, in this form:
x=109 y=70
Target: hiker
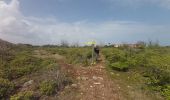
x=96 y=51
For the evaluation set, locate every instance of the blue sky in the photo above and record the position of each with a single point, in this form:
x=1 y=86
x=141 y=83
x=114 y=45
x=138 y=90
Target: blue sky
x=116 y=21
x=95 y=10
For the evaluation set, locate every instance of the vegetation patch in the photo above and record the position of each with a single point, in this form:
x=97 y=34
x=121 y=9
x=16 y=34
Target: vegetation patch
x=6 y=88
x=74 y=55
x=48 y=87
x=27 y=95
x=154 y=65
x=119 y=66
x=166 y=92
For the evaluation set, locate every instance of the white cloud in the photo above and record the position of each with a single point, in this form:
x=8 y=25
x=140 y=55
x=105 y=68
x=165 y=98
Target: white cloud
x=16 y=27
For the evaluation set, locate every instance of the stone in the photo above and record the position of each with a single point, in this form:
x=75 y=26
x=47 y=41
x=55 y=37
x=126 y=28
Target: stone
x=97 y=83
x=128 y=86
x=74 y=85
x=95 y=78
x=78 y=78
x=102 y=67
x=84 y=78
x=26 y=84
x=101 y=78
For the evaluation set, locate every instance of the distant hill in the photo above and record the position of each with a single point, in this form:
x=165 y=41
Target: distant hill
x=5 y=45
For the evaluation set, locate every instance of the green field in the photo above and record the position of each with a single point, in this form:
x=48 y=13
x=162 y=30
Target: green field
x=136 y=70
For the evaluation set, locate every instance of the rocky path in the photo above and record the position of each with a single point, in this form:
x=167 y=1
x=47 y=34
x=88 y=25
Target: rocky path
x=95 y=84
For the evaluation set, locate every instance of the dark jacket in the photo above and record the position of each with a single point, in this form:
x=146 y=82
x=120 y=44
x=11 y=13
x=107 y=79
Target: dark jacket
x=96 y=50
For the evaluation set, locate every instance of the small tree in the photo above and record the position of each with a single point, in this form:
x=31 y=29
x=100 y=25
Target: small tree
x=153 y=44
x=64 y=43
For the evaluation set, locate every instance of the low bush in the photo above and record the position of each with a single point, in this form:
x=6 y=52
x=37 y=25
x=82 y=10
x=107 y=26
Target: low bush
x=23 y=63
x=74 y=55
x=48 y=87
x=155 y=63
x=28 y=95
x=117 y=55
x=166 y=92
x=158 y=77
x=117 y=59
x=6 y=88
x=119 y=66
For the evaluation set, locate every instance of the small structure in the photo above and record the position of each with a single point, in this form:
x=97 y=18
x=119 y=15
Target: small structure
x=136 y=45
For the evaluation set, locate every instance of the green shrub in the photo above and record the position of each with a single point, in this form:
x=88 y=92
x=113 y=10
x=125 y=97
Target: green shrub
x=47 y=87
x=132 y=62
x=117 y=55
x=23 y=60
x=21 y=65
x=28 y=95
x=47 y=62
x=120 y=66
x=6 y=87
x=78 y=55
x=157 y=76
x=154 y=62
x=166 y=92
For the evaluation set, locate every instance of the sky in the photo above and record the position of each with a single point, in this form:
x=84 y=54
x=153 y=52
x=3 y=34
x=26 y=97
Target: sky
x=42 y=22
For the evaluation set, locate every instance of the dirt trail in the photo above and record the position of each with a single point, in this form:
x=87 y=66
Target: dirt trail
x=95 y=83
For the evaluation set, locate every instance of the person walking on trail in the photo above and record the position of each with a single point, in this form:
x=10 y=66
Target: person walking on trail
x=97 y=51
